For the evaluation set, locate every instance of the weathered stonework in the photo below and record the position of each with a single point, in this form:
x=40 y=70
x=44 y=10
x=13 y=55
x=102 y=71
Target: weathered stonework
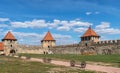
x=31 y=49
x=48 y=41
x=101 y=47
x=10 y=46
x=47 y=44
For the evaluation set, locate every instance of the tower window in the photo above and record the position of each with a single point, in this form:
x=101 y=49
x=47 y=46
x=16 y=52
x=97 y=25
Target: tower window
x=48 y=46
x=86 y=44
x=10 y=41
x=11 y=45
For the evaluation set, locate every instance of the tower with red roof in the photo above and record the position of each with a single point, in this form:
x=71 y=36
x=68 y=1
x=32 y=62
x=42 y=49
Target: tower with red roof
x=10 y=44
x=48 y=41
x=90 y=35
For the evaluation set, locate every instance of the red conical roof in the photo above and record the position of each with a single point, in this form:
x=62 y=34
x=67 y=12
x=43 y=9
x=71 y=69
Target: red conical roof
x=1 y=46
x=90 y=32
x=48 y=37
x=9 y=36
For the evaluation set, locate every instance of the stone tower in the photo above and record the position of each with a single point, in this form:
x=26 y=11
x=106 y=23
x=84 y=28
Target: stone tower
x=10 y=44
x=48 y=41
x=90 y=36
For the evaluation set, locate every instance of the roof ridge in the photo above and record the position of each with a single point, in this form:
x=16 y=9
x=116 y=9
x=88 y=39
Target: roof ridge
x=90 y=32
x=48 y=37
x=9 y=36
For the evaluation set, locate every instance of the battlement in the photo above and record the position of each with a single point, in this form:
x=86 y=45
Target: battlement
x=70 y=45
x=30 y=47
x=108 y=42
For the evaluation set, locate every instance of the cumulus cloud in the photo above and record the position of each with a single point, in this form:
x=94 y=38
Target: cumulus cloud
x=63 y=25
x=63 y=28
x=103 y=25
x=81 y=29
x=55 y=23
x=3 y=25
x=29 y=24
x=104 y=28
x=67 y=25
x=79 y=23
x=4 y=19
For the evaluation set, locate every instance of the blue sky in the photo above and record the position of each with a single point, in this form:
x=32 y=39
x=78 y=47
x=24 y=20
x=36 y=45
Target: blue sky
x=29 y=20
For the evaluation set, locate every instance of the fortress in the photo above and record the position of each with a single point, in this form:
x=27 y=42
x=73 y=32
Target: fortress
x=90 y=44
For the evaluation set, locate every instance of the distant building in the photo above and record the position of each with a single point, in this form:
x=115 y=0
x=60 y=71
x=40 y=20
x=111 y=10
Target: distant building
x=48 y=41
x=9 y=44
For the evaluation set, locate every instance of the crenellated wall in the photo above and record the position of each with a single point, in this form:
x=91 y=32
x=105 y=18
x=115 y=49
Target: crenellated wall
x=101 y=47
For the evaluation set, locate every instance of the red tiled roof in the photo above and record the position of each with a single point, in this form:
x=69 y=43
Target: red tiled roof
x=1 y=46
x=9 y=36
x=90 y=32
x=48 y=37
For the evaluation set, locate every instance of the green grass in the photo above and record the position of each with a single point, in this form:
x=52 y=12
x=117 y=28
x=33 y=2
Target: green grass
x=95 y=58
x=115 y=59
x=15 y=65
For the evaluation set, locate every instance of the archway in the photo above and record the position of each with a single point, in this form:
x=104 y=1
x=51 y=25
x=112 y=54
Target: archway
x=12 y=51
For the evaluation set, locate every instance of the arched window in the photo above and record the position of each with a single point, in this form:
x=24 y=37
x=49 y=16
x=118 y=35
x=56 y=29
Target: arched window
x=12 y=51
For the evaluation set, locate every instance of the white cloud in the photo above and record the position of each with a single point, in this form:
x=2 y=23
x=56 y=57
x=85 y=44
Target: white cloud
x=81 y=29
x=103 y=25
x=63 y=25
x=4 y=19
x=54 y=24
x=3 y=25
x=63 y=28
x=31 y=24
x=104 y=28
x=60 y=36
x=88 y=13
x=67 y=25
x=108 y=31
x=79 y=23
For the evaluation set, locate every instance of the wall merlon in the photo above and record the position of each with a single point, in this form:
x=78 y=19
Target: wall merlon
x=107 y=42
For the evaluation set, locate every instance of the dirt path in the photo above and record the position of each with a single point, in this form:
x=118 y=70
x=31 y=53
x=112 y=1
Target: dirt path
x=88 y=66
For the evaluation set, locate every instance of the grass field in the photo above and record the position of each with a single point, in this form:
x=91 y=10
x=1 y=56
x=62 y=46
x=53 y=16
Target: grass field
x=15 y=65
x=114 y=59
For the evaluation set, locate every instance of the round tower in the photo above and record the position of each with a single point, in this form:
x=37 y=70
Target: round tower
x=48 y=41
x=10 y=44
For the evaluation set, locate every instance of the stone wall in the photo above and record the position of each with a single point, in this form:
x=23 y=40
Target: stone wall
x=31 y=49
x=101 y=47
x=47 y=44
